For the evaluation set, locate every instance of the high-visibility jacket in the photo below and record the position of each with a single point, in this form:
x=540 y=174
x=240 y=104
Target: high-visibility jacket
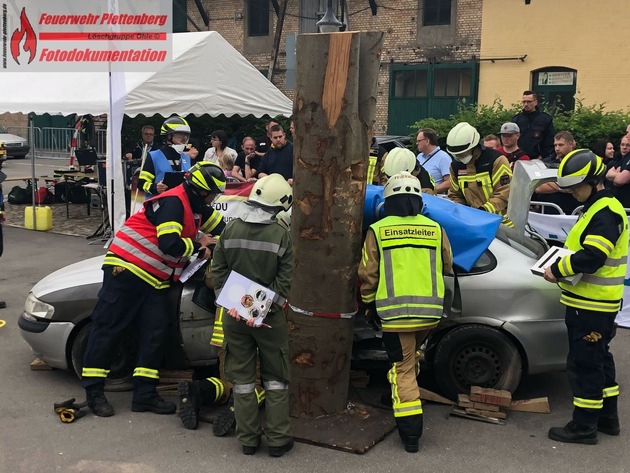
x=136 y=243
x=410 y=291
x=483 y=183
x=161 y=165
x=602 y=290
x=372 y=161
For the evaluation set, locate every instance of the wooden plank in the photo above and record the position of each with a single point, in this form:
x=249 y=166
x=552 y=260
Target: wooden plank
x=490 y=396
x=39 y=365
x=463 y=400
x=486 y=407
x=492 y=414
x=539 y=405
x=427 y=395
x=456 y=411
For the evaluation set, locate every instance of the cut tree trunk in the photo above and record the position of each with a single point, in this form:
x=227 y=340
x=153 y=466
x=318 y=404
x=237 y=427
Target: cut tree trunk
x=334 y=113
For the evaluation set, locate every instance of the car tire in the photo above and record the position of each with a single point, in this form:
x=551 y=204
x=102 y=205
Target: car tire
x=121 y=371
x=476 y=355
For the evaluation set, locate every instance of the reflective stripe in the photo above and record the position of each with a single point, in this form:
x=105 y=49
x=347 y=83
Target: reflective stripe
x=169 y=227
x=601 y=306
x=210 y=224
x=565 y=266
x=588 y=403
x=414 y=311
x=612 y=391
x=615 y=261
x=260 y=395
x=392 y=377
x=217 y=331
x=397 y=325
x=147 y=176
x=219 y=388
x=405 y=409
x=134 y=235
x=600 y=243
x=146 y=373
x=94 y=372
x=275 y=386
x=112 y=260
x=244 y=388
x=602 y=281
x=190 y=248
x=241 y=243
x=370 y=170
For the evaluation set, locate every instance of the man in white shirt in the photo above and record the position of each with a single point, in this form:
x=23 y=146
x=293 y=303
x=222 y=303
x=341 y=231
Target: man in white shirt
x=434 y=160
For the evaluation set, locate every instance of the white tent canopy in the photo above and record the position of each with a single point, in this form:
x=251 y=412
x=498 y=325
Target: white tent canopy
x=207 y=75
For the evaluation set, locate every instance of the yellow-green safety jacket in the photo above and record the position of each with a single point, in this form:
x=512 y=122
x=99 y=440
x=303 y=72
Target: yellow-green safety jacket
x=602 y=290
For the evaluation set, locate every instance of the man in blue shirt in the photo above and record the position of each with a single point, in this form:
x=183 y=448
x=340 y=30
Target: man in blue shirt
x=434 y=160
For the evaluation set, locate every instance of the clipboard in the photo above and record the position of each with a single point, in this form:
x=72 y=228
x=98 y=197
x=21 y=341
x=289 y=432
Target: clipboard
x=250 y=299
x=173 y=179
x=551 y=256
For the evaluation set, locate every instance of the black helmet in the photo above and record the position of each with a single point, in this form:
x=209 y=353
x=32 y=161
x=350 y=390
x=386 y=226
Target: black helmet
x=578 y=167
x=206 y=176
x=174 y=125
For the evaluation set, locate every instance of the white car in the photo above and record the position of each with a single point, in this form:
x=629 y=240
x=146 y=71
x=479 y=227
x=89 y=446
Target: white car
x=16 y=146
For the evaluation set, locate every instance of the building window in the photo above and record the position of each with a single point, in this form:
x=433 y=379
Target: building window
x=410 y=83
x=452 y=82
x=179 y=16
x=436 y=12
x=258 y=17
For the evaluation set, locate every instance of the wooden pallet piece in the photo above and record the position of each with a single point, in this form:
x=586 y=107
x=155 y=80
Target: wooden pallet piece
x=459 y=412
x=493 y=414
x=539 y=405
x=463 y=400
x=39 y=365
x=490 y=396
x=486 y=407
x=427 y=395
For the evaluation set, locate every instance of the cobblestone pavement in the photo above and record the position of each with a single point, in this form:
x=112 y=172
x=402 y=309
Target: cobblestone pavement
x=77 y=224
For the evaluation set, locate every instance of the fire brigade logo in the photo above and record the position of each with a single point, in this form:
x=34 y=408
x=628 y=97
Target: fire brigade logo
x=24 y=39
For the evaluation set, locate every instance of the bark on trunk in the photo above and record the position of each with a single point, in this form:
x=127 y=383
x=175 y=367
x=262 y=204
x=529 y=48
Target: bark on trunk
x=334 y=113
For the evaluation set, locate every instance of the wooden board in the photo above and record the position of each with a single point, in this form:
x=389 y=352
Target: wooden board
x=490 y=396
x=39 y=365
x=427 y=395
x=539 y=405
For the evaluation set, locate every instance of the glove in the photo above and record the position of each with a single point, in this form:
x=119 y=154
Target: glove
x=372 y=318
x=70 y=415
x=69 y=404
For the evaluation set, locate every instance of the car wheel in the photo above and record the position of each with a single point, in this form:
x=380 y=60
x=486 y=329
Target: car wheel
x=121 y=371
x=476 y=355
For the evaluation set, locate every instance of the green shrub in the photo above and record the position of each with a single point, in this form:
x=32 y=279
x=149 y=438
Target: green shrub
x=587 y=123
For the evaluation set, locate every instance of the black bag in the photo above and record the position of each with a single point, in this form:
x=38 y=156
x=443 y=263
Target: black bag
x=19 y=195
x=77 y=195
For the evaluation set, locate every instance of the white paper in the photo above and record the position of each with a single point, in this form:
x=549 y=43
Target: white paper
x=193 y=266
x=250 y=299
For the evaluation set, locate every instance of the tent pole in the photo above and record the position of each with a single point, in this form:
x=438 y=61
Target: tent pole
x=31 y=138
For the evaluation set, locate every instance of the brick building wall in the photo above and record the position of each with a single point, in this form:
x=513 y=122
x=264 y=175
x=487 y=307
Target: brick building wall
x=405 y=41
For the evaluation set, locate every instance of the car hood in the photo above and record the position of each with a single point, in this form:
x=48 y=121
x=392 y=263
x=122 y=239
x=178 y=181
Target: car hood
x=83 y=273
x=9 y=138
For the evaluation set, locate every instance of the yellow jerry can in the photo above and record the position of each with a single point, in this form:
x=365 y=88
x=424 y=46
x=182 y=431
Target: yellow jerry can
x=44 y=218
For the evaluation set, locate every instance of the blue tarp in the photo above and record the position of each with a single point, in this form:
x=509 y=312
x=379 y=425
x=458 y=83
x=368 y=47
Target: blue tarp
x=469 y=230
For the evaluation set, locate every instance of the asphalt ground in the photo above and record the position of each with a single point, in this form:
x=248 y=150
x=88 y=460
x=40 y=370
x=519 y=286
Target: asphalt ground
x=32 y=439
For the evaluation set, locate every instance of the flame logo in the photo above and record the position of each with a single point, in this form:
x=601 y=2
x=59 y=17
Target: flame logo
x=30 y=44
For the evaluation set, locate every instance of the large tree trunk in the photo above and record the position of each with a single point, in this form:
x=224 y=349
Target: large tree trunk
x=334 y=113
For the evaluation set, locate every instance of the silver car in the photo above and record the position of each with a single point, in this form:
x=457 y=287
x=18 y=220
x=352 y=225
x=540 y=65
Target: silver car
x=16 y=146
x=500 y=323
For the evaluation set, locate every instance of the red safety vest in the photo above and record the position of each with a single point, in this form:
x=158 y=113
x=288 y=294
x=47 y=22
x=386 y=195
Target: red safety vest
x=137 y=241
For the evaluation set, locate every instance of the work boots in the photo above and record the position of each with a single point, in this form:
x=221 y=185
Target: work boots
x=152 y=402
x=189 y=404
x=608 y=425
x=97 y=401
x=574 y=433
x=224 y=420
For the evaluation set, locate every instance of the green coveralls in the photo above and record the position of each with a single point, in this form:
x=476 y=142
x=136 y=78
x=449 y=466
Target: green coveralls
x=262 y=253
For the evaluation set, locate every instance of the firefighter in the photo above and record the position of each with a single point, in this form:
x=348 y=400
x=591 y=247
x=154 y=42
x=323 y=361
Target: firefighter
x=147 y=253
x=258 y=247
x=599 y=240
x=401 y=159
x=169 y=158
x=480 y=176
x=405 y=256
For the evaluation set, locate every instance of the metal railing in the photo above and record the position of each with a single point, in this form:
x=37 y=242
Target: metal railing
x=51 y=142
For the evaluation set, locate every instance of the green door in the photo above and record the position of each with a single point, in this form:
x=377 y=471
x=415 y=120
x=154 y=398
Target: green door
x=420 y=91
x=556 y=88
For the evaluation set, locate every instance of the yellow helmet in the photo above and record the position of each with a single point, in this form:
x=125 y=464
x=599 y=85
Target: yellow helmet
x=206 y=176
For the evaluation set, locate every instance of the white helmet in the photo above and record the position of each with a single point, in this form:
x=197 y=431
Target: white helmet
x=272 y=191
x=399 y=160
x=402 y=183
x=463 y=137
